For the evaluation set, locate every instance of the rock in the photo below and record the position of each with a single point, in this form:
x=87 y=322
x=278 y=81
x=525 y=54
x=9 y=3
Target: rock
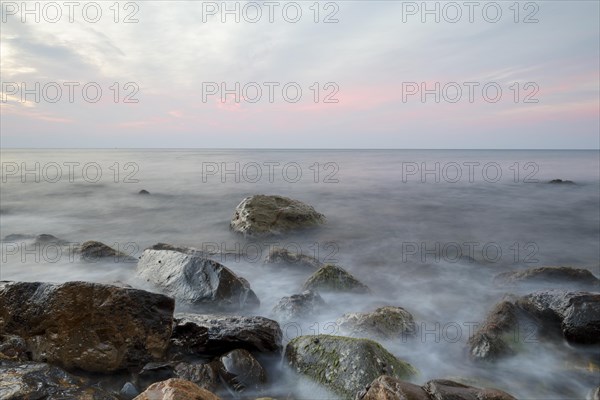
x=89 y=326
x=331 y=278
x=594 y=394
x=13 y=237
x=263 y=215
x=560 y=181
x=298 y=306
x=498 y=336
x=282 y=257
x=176 y=389
x=144 y=192
x=556 y=276
x=93 y=251
x=576 y=314
x=155 y=372
x=440 y=389
x=13 y=347
x=345 y=365
x=388 y=388
x=240 y=371
x=196 y=280
x=45 y=239
x=128 y=391
x=384 y=323
x=227 y=332
x=204 y=375
x=32 y=380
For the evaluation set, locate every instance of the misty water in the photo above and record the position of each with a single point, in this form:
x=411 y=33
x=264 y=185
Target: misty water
x=395 y=219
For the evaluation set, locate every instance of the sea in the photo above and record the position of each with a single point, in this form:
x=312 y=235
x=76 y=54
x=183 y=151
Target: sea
x=426 y=230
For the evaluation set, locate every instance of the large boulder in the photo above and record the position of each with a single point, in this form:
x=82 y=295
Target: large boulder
x=383 y=323
x=331 y=278
x=176 y=389
x=441 y=389
x=280 y=256
x=196 y=280
x=345 y=365
x=224 y=333
x=89 y=326
x=554 y=276
x=263 y=215
x=298 y=306
x=33 y=380
x=575 y=314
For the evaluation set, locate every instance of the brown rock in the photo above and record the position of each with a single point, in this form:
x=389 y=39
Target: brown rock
x=176 y=389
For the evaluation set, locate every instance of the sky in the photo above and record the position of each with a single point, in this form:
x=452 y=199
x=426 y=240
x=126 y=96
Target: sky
x=305 y=74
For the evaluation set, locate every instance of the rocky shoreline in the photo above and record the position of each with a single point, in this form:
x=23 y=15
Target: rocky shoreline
x=85 y=340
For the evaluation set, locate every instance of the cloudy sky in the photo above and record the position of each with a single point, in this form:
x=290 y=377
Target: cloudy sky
x=341 y=74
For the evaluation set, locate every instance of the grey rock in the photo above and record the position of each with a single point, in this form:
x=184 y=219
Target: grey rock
x=383 y=323
x=241 y=371
x=280 y=256
x=331 y=278
x=265 y=215
x=196 y=280
x=298 y=306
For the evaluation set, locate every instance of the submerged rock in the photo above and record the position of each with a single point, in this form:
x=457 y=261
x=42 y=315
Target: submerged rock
x=225 y=333
x=89 y=326
x=298 y=306
x=262 y=215
x=560 y=181
x=196 y=280
x=345 y=365
x=33 y=380
x=176 y=389
x=575 y=314
x=44 y=239
x=282 y=257
x=331 y=278
x=144 y=192
x=556 y=276
x=94 y=251
x=383 y=323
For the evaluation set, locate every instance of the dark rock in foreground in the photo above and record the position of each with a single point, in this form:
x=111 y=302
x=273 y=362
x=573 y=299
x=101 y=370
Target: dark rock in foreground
x=298 y=306
x=241 y=371
x=225 y=333
x=383 y=323
x=84 y=325
x=331 y=278
x=556 y=276
x=196 y=280
x=264 y=215
x=31 y=380
x=389 y=388
x=345 y=365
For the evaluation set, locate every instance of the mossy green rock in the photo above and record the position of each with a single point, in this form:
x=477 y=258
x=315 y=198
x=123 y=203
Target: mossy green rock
x=331 y=278
x=345 y=365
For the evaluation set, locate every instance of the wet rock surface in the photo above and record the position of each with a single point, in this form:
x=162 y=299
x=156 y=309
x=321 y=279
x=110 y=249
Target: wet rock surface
x=267 y=215
x=554 y=276
x=195 y=280
x=241 y=371
x=383 y=323
x=345 y=365
x=297 y=306
x=89 y=326
x=331 y=278
x=33 y=381
x=226 y=332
